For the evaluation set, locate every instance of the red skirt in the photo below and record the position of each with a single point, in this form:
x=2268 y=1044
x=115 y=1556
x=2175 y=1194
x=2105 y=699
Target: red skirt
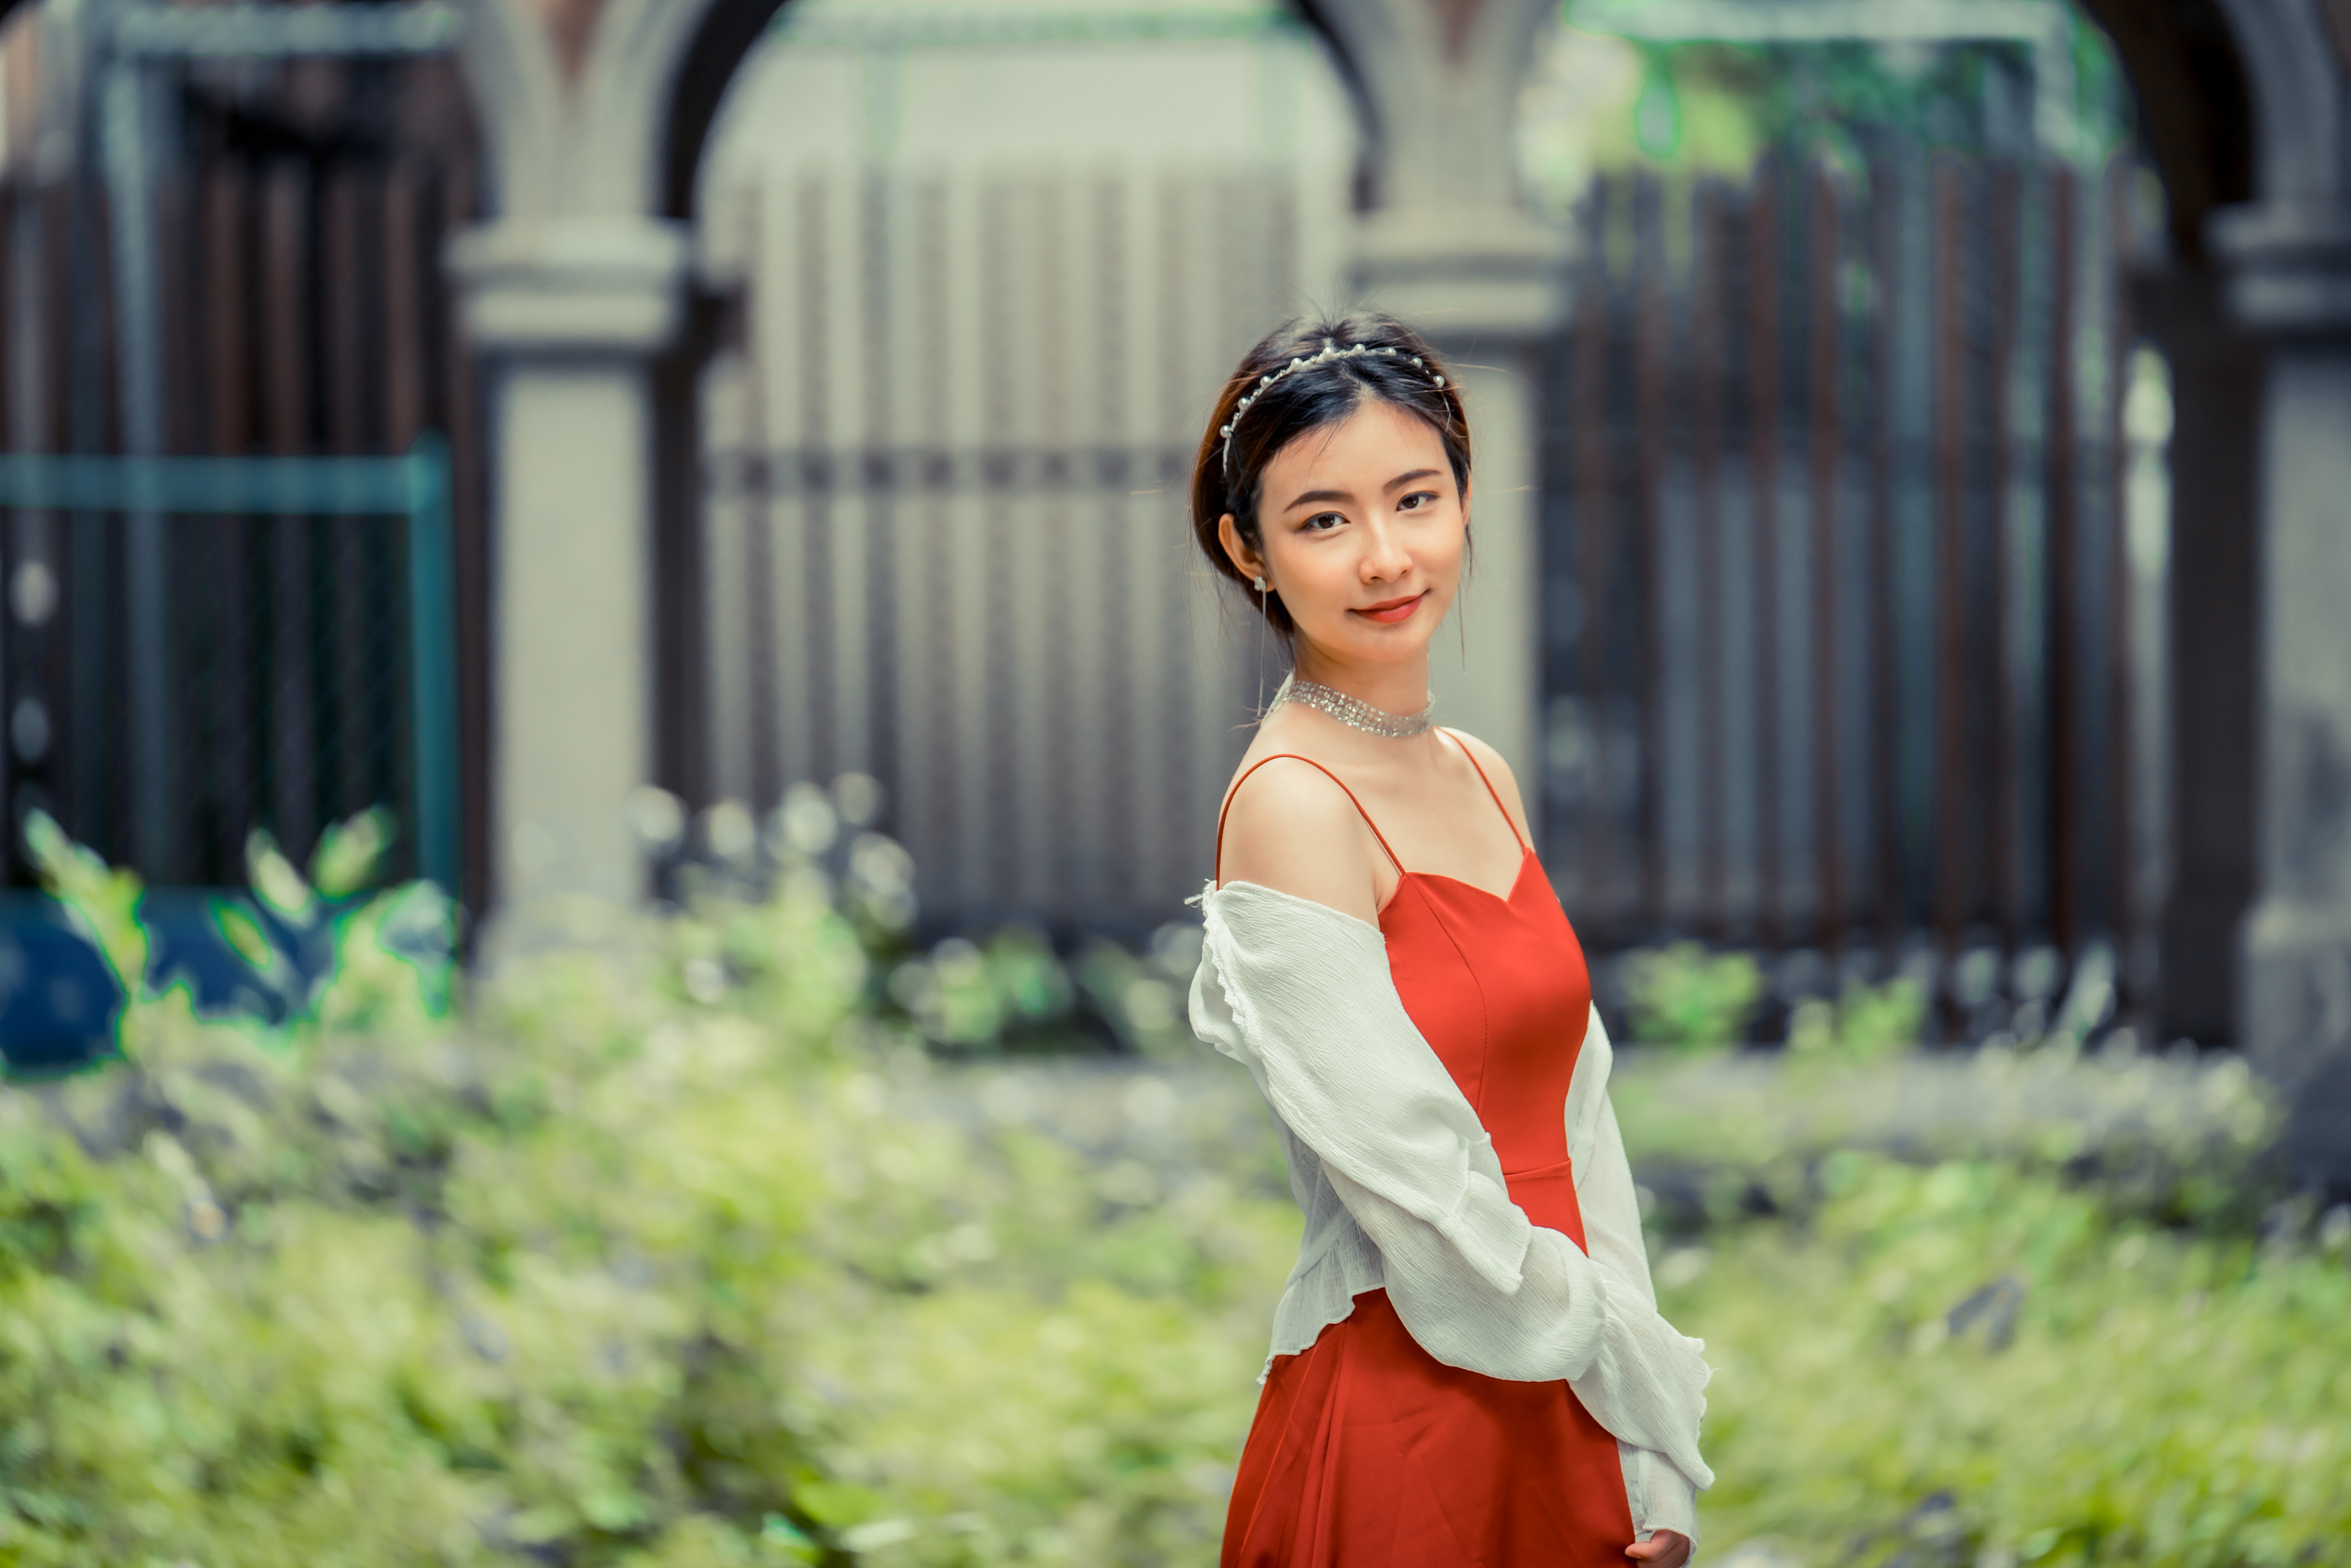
x=1367 y=1452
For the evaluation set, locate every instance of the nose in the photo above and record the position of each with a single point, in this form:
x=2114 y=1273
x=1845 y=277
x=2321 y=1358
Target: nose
x=1385 y=557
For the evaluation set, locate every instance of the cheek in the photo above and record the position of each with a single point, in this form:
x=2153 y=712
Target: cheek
x=1449 y=546
x=1314 y=588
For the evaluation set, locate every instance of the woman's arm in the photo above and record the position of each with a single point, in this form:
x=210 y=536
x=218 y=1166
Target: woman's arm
x=1301 y=993
x=1662 y=1497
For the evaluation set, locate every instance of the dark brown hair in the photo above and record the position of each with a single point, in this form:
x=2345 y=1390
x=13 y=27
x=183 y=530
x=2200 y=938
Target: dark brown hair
x=1400 y=368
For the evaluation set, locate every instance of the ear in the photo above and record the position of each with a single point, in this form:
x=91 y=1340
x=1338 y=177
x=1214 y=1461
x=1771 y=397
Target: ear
x=1237 y=548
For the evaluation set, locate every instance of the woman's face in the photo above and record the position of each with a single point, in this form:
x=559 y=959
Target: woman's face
x=1364 y=535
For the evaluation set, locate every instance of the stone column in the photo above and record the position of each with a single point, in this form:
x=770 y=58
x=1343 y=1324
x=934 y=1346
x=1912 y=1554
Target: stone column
x=1449 y=246
x=2290 y=280
x=2216 y=378
x=570 y=311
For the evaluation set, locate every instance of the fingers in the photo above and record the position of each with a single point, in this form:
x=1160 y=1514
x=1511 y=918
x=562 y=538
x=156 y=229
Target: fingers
x=1665 y=1549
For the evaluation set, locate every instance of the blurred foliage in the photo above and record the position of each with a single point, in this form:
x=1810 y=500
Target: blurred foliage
x=1850 y=100
x=1972 y=1363
x=696 y=1253
x=2176 y=1140
x=1866 y=1023
x=679 y=1260
x=1598 y=103
x=1686 y=997
x=1005 y=992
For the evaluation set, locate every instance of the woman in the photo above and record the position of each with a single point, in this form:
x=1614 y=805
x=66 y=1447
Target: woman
x=1467 y=1364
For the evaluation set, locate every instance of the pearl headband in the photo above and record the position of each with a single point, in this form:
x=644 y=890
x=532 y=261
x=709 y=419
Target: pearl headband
x=1331 y=350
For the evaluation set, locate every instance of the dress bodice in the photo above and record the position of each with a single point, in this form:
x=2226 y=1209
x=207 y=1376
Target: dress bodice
x=1498 y=988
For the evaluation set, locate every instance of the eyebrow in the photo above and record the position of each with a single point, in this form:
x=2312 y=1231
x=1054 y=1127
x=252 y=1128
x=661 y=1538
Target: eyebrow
x=1349 y=495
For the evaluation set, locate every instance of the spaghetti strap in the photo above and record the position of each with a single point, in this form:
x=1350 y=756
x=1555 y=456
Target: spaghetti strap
x=1489 y=783
x=1327 y=774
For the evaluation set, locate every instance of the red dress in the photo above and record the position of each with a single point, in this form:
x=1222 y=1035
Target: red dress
x=1366 y=1452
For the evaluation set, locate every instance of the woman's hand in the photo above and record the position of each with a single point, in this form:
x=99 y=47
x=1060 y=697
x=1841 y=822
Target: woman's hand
x=1664 y=1549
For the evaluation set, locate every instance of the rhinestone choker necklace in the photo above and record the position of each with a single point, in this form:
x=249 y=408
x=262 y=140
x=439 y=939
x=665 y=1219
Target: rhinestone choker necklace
x=1354 y=712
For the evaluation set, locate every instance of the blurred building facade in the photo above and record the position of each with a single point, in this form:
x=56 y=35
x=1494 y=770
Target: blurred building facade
x=987 y=276
x=1226 y=225
x=731 y=388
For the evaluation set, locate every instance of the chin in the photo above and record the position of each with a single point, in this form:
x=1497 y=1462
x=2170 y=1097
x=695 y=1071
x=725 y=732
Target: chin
x=1389 y=645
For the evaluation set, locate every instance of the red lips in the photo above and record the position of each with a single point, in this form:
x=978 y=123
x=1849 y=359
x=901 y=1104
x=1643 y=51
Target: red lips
x=1394 y=610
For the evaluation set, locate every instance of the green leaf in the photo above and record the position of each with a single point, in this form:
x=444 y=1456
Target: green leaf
x=274 y=881
x=243 y=934
x=1686 y=997
x=350 y=852
x=837 y=1505
x=102 y=904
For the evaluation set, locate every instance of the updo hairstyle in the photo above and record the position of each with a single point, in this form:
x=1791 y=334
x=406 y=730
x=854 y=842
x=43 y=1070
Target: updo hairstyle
x=1230 y=476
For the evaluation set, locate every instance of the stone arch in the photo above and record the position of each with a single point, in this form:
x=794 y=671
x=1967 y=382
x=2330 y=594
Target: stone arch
x=2297 y=69
x=603 y=133
x=2195 y=106
x=724 y=37
x=583 y=289
x=707 y=57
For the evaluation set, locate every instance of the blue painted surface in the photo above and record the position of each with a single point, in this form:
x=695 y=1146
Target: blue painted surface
x=59 y=1002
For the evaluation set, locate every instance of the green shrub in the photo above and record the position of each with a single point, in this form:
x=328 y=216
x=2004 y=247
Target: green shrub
x=1683 y=996
x=1864 y=1023
x=692 y=1258
x=702 y=1257
x=1970 y=1362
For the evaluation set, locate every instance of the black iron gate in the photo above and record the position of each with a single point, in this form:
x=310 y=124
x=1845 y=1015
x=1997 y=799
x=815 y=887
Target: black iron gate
x=1841 y=649
x=166 y=696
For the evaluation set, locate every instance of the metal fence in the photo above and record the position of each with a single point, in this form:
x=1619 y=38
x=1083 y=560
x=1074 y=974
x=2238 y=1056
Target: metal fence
x=947 y=538
x=1842 y=639
x=238 y=670
x=192 y=758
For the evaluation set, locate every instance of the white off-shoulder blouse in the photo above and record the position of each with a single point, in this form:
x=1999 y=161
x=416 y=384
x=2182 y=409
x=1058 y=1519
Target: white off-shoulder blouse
x=1402 y=1190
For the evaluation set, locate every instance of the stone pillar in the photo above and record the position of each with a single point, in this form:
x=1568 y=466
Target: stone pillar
x=2216 y=378
x=570 y=311
x=2290 y=280
x=1449 y=246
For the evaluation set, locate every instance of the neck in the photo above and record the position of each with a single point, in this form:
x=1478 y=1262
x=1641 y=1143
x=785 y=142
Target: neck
x=1401 y=687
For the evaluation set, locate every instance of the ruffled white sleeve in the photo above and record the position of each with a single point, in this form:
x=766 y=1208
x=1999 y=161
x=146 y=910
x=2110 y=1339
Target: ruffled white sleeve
x=1661 y=1496
x=1302 y=996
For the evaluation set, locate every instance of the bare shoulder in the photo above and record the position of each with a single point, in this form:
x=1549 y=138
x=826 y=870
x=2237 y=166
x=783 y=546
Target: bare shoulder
x=1289 y=826
x=1505 y=782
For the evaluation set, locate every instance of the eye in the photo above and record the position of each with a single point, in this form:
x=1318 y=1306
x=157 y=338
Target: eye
x=1322 y=522
x=1418 y=501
